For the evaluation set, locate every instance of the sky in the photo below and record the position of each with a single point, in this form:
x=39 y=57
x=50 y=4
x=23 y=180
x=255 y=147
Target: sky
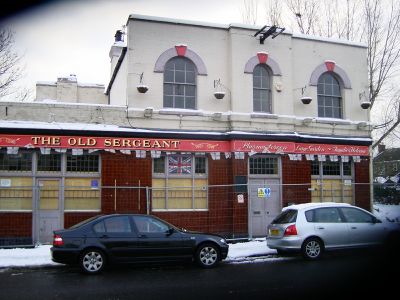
x=59 y=38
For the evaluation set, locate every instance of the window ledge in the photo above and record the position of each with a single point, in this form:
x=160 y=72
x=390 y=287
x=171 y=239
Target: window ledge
x=183 y=210
x=332 y=121
x=183 y=112
x=81 y=210
x=263 y=116
x=15 y=211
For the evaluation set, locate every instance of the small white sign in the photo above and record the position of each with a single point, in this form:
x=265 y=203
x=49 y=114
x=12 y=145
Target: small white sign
x=347 y=182
x=240 y=198
x=5 y=182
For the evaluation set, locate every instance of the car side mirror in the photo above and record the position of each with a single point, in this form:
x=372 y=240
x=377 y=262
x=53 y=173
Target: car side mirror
x=170 y=231
x=376 y=220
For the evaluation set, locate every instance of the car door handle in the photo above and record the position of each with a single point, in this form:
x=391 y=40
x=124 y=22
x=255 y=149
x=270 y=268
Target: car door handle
x=104 y=236
x=320 y=227
x=353 y=227
x=142 y=236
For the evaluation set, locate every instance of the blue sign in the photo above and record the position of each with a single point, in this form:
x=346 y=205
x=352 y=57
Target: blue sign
x=94 y=184
x=264 y=192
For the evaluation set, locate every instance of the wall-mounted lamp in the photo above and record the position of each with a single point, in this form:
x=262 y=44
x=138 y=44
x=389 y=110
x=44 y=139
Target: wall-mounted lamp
x=304 y=99
x=141 y=87
x=219 y=93
x=148 y=112
x=364 y=102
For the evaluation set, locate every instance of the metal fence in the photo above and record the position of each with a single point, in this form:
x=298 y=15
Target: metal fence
x=234 y=211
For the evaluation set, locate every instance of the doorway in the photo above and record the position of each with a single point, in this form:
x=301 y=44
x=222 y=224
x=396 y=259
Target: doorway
x=265 y=204
x=48 y=214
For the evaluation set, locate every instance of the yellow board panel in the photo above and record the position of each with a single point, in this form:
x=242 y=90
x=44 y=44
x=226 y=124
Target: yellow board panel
x=17 y=196
x=179 y=194
x=49 y=194
x=331 y=190
x=79 y=194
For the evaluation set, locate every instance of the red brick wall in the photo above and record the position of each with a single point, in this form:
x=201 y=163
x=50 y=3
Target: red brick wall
x=124 y=170
x=362 y=187
x=240 y=210
x=224 y=215
x=72 y=218
x=297 y=173
x=15 y=224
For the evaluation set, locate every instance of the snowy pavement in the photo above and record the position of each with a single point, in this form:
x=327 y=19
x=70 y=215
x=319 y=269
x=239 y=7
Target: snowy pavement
x=255 y=250
x=40 y=255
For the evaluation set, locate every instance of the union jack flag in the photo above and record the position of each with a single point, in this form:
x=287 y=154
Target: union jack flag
x=180 y=164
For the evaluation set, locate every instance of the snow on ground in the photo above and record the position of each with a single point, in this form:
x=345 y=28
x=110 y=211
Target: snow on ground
x=389 y=213
x=252 y=251
x=40 y=255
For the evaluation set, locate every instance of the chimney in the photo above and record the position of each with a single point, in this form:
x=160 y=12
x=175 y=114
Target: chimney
x=381 y=148
x=119 y=36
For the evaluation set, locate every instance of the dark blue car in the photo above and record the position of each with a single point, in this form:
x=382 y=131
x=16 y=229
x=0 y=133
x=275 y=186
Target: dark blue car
x=129 y=238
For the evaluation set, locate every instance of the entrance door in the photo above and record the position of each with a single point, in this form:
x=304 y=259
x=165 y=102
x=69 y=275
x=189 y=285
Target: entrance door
x=49 y=213
x=264 y=207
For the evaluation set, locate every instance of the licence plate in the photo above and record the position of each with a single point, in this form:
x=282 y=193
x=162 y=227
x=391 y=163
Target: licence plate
x=274 y=232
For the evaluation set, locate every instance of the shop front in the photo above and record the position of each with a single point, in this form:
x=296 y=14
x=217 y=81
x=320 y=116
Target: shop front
x=224 y=183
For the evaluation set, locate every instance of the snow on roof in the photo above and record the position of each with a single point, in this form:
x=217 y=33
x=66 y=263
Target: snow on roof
x=46 y=82
x=328 y=40
x=314 y=204
x=243 y=26
x=115 y=128
x=177 y=21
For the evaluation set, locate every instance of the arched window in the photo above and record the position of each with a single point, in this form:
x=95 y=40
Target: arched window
x=329 y=97
x=262 y=99
x=180 y=83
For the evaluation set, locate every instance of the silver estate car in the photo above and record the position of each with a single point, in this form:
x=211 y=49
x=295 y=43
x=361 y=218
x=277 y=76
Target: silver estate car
x=311 y=228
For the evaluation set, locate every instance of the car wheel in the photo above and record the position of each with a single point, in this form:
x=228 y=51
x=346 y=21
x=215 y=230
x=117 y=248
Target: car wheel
x=92 y=261
x=207 y=255
x=312 y=248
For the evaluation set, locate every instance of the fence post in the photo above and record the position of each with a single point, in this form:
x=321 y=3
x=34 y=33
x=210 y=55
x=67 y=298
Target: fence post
x=147 y=200
x=249 y=214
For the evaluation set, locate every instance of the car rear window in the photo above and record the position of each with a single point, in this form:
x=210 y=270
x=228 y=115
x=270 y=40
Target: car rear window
x=287 y=216
x=83 y=222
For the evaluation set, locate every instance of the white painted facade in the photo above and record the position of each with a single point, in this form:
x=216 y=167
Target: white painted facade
x=67 y=89
x=225 y=50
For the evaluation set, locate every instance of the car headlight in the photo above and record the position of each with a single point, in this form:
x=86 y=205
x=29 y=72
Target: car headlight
x=223 y=241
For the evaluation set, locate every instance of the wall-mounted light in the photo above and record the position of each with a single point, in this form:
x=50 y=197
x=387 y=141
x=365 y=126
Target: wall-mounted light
x=304 y=98
x=141 y=87
x=219 y=93
x=279 y=87
x=364 y=102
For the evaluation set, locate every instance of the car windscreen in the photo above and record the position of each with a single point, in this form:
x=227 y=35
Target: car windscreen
x=287 y=216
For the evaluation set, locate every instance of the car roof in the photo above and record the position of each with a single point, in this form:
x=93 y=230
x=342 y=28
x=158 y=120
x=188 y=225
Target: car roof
x=315 y=204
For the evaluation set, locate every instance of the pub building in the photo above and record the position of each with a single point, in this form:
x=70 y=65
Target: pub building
x=211 y=127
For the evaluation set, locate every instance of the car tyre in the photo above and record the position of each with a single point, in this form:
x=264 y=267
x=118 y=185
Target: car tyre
x=207 y=255
x=92 y=261
x=312 y=248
